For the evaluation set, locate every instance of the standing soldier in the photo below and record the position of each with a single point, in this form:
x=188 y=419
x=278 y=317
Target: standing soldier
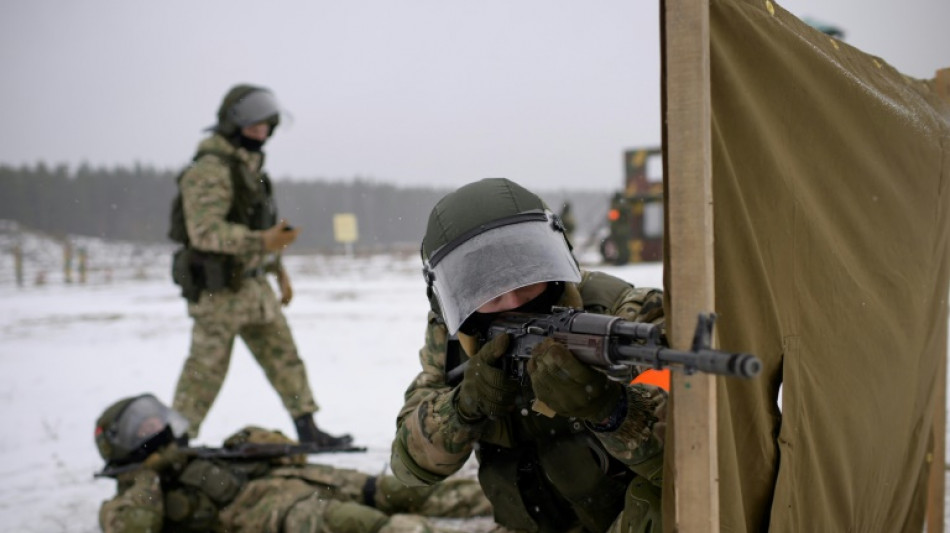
x=591 y=459
x=226 y=220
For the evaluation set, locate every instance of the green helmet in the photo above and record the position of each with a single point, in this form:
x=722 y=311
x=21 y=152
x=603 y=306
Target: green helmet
x=135 y=426
x=245 y=105
x=487 y=238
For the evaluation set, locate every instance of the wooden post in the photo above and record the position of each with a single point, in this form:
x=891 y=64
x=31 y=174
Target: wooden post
x=18 y=264
x=689 y=261
x=67 y=261
x=82 y=265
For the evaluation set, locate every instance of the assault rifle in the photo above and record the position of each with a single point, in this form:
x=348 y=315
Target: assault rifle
x=612 y=343
x=249 y=451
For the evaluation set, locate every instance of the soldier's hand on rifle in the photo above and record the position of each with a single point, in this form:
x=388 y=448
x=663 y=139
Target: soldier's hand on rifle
x=485 y=390
x=278 y=237
x=170 y=456
x=570 y=387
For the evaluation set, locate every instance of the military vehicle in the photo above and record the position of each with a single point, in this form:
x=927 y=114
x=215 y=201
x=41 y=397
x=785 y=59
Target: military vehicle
x=635 y=215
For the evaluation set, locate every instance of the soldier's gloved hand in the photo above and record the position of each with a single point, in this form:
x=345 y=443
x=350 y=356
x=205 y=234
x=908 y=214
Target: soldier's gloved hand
x=169 y=457
x=278 y=237
x=568 y=386
x=485 y=390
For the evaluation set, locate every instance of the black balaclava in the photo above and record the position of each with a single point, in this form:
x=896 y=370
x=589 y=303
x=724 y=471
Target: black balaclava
x=477 y=324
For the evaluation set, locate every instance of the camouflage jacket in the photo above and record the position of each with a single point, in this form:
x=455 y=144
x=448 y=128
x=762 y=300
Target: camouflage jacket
x=207 y=196
x=432 y=441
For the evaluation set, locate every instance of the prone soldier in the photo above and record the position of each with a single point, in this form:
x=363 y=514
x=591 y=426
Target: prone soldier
x=172 y=490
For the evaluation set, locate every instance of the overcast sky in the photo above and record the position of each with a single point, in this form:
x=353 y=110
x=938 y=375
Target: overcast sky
x=434 y=92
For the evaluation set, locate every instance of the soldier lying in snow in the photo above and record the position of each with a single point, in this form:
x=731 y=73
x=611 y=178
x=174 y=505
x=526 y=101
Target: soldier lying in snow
x=174 y=490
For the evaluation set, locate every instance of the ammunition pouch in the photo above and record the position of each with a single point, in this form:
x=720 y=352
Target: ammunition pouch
x=189 y=509
x=219 y=483
x=181 y=275
x=195 y=271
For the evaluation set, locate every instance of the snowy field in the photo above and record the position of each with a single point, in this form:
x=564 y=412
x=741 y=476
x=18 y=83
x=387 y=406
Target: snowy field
x=69 y=350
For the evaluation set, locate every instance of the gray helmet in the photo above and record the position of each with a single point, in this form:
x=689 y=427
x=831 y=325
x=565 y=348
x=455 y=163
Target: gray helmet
x=245 y=105
x=130 y=423
x=487 y=238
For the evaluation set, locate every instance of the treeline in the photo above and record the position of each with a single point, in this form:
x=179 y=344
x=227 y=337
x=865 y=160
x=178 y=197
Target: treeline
x=132 y=204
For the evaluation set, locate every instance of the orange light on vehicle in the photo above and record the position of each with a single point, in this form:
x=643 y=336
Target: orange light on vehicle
x=613 y=215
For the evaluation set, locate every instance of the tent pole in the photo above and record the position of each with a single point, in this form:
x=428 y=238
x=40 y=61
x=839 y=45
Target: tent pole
x=689 y=256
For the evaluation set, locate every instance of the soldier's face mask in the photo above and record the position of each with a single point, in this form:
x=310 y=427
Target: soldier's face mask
x=141 y=420
x=257 y=106
x=513 y=253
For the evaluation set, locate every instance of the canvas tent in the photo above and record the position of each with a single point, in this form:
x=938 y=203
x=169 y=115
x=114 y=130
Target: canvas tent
x=830 y=224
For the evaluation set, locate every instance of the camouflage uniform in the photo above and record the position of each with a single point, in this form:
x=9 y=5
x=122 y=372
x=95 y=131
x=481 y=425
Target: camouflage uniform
x=175 y=493
x=432 y=441
x=253 y=312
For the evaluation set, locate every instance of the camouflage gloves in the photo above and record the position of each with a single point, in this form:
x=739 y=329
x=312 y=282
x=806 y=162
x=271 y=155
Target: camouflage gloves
x=570 y=387
x=486 y=391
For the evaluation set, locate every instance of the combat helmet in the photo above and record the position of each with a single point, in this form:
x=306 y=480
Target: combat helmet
x=245 y=105
x=131 y=428
x=487 y=238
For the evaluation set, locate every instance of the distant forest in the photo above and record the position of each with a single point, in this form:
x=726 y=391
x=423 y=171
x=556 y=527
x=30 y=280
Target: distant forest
x=132 y=204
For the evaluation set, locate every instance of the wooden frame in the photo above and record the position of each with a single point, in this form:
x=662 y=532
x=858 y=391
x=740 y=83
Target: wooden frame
x=689 y=258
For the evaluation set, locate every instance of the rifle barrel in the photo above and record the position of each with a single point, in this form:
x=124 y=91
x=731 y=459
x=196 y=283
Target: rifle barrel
x=714 y=362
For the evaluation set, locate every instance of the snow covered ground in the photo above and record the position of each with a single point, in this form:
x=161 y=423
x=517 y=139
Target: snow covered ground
x=69 y=350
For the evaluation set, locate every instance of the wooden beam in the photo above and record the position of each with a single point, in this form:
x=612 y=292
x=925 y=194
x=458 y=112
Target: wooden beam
x=689 y=259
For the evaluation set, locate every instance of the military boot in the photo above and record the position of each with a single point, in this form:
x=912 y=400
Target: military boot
x=309 y=433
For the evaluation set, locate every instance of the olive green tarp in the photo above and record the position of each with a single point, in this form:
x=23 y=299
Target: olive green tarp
x=831 y=204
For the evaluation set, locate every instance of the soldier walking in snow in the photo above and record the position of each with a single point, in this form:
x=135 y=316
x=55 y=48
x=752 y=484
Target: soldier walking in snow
x=226 y=220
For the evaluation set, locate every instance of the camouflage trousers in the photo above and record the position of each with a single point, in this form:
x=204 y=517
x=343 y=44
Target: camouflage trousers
x=322 y=499
x=252 y=313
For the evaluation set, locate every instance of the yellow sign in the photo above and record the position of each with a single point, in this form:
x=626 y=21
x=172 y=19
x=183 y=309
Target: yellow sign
x=344 y=227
